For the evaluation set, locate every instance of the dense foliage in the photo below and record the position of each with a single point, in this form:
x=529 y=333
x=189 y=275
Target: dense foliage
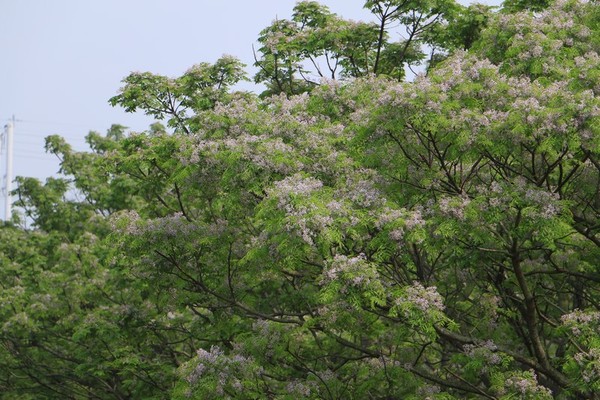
x=351 y=237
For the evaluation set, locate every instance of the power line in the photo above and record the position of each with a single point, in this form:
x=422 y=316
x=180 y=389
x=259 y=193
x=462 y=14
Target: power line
x=30 y=121
x=44 y=135
x=21 y=154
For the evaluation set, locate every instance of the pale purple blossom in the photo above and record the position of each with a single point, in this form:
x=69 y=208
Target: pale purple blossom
x=414 y=220
x=486 y=351
x=426 y=299
x=335 y=207
x=300 y=388
x=397 y=234
x=454 y=206
x=172 y=225
x=389 y=215
x=342 y=264
x=227 y=368
x=526 y=384
x=579 y=321
x=589 y=362
x=295 y=185
x=127 y=222
x=364 y=193
x=427 y=391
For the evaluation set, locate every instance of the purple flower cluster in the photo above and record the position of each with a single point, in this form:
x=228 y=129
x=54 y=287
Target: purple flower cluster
x=126 y=222
x=426 y=299
x=300 y=388
x=229 y=369
x=295 y=185
x=361 y=190
x=454 y=206
x=341 y=265
x=526 y=385
x=428 y=392
x=589 y=362
x=173 y=225
x=579 y=320
x=486 y=351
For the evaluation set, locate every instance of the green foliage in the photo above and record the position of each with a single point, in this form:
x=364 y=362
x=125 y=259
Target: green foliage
x=370 y=239
x=295 y=55
x=200 y=88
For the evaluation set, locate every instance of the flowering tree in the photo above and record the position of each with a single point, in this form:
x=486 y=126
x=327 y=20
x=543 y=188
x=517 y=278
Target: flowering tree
x=370 y=239
x=294 y=55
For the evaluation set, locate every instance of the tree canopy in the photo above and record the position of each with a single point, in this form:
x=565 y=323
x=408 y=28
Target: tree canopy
x=347 y=234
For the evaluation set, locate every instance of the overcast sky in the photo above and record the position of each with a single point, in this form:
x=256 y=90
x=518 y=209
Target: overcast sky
x=61 y=60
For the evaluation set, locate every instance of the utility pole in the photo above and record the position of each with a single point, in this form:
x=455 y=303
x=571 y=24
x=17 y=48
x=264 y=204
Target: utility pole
x=9 y=167
x=9 y=129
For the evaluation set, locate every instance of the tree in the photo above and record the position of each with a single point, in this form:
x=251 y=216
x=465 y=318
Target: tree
x=370 y=239
x=316 y=44
x=200 y=88
x=73 y=324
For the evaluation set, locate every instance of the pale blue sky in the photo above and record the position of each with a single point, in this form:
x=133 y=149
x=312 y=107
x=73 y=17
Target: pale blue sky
x=61 y=60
